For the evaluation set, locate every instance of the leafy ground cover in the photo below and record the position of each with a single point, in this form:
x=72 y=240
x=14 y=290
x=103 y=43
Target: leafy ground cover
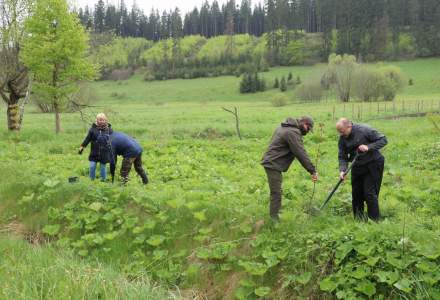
x=202 y=223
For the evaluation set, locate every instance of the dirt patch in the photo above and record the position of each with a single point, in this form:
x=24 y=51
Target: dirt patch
x=193 y=294
x=257 y=227
x=15 y=228
x=231 y=285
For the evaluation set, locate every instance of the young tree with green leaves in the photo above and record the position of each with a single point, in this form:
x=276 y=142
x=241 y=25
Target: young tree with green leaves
x=340 y=73
x=55 y=52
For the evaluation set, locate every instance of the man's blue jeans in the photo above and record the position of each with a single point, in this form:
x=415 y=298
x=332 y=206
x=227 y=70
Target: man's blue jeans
x=93 y=170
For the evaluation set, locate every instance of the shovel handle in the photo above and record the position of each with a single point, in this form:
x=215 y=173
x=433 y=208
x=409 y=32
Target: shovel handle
x=340 y=181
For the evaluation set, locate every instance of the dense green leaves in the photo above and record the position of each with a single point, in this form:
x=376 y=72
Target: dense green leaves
x=54 y=50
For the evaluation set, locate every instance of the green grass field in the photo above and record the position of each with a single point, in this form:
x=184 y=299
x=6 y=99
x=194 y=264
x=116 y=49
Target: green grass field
x=202 y=223
x=225 y=89
x=31 y=272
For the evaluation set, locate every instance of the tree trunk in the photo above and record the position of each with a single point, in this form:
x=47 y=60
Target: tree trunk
x=57 y=119
x=13 y=116
x=12 y=89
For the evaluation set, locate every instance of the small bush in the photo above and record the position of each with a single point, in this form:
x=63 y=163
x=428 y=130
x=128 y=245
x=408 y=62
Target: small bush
x=371 y=84
x=394 y=82
x=279 y=100
x=309 y=91
x=368 y=84
x=276 y=84
x=118 y=95
x=149 y=77
x=121 y=74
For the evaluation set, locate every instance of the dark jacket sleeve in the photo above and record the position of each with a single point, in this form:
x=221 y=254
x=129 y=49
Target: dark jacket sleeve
x=342 y=156
x=88 y=139
x=377 y=140
x=297 y=147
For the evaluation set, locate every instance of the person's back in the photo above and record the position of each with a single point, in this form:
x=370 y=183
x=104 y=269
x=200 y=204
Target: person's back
x=131 y=151
x=285 y=146
x=124 y=145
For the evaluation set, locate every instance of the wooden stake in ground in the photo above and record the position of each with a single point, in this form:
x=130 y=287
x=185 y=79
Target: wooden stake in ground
x=237 y=119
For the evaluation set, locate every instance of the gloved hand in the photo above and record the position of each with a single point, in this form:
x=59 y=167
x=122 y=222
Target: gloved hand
x=80 y=151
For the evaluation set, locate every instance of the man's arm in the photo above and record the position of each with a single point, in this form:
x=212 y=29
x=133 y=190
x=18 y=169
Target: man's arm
x=377 y=139
x=342 y=156
x=297 y=147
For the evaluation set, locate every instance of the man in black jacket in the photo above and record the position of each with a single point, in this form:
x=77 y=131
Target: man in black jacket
x=366 y=175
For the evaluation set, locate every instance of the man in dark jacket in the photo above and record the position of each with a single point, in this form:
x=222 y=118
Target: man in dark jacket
x=286 y=145
x=367 y=172
x=131 y=152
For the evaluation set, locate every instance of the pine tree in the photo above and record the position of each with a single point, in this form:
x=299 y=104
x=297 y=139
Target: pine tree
x=215 y=19
x=283 y=84
x=110 y=20
x=245 y=84
x=99 y=16
x=88 y=20
x=262 y=85
x=205 y=20
x=276 y=84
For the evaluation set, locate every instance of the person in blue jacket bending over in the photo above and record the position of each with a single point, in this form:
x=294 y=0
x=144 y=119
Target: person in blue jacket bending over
x=131 y=152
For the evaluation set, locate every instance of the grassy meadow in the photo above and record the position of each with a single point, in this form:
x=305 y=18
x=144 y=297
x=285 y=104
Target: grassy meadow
x=201 y=226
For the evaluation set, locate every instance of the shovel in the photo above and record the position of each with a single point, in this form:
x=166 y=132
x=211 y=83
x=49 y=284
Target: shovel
x=339 y=182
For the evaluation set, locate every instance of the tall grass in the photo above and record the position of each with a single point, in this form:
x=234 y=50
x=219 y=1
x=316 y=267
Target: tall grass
x=29 y=272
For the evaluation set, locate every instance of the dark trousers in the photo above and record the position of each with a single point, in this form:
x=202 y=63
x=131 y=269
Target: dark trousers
x=366 y=181
x=126 y=167
x=275 y=179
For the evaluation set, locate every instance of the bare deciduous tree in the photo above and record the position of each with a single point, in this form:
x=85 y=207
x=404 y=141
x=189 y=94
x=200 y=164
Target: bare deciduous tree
x=14 y=76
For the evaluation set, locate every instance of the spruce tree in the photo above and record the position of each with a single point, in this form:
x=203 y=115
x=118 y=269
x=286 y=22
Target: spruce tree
x=276 y=84
x=283 y=84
